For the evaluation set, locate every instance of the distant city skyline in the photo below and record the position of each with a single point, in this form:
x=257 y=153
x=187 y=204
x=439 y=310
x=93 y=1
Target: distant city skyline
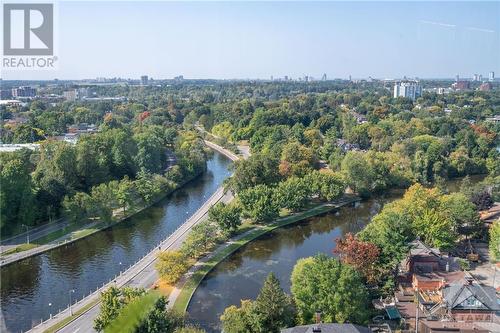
x=257 y=40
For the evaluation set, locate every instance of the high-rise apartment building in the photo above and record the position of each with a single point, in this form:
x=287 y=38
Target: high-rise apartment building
x=144 y=80
x=491 y=76
x=24 y=92
x=409 y=89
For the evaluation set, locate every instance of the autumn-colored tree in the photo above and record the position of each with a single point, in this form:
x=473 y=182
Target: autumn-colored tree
x=361 y=255
x=171 y=266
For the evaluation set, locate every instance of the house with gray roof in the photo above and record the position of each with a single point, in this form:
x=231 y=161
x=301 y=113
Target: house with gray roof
x=471 y=301
x=327 y=328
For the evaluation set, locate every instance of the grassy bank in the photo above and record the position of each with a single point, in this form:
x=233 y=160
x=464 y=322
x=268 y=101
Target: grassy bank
x=189 y=287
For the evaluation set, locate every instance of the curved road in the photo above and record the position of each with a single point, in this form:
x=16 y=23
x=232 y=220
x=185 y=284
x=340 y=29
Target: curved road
x=143 y=273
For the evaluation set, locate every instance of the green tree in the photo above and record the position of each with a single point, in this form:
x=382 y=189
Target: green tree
x=495 y=241
x=337 y=290
x=238 y=319
x=227 y=217
x=358 y=173
x=104 y=200
x=257 y=169
x=151 y=148
x=273 y=309
x=258 y=203
x=160 y=319
x=113 y=300
x=462 y=212
x=16 y=192
x=270 y=312
x=55 y=174
x=326 y=185
x=296 y=160
x=125 y=193
x=201 y=239
x=293 y=193
x=79 y=207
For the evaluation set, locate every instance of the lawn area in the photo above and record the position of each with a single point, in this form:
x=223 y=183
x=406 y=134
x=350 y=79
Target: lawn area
x=73 y=231
x=20 y=248
x=188 y=289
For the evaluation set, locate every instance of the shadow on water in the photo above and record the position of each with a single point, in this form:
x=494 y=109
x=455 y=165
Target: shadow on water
x=28 y=286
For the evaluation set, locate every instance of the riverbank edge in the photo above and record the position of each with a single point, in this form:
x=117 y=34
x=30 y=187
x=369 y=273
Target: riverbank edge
x=5 y=260
x=207 y=264
x=63 y=322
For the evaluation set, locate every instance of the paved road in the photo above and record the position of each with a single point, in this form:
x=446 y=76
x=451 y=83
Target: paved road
x=143 y=273
x=34 y=234
x=144 y=279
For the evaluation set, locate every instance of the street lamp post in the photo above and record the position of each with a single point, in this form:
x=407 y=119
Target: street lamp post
x=27 y=233
x=71 y=291
x=50 y=310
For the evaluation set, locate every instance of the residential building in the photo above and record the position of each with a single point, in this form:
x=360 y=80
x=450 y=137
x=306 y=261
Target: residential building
x=408 y=89
x=11 y=102
x=461 y=85
x=8 y=147
x=144 y=80
x=433 y=288
x=70 y=95
x=491 y=76
x=346 y=146
x=486 y=86
x=432 y=326
x=25 y=91
x=470 y=301
x=16 y=121
x=5 y=94
x=360 y=119
x=327 y=328
x=494 y=119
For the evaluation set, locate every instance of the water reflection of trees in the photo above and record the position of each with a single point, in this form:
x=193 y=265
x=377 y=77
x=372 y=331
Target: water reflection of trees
x=348 y=219
x=20 y=279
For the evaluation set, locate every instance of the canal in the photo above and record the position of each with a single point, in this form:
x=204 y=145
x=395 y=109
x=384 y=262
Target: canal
x=34 y=288
x=242 y=274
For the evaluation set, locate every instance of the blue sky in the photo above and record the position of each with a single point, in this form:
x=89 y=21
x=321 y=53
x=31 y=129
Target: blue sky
x=259 y=39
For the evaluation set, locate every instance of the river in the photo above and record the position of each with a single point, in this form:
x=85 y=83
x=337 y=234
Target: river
x=242 y=274
x=34 y=288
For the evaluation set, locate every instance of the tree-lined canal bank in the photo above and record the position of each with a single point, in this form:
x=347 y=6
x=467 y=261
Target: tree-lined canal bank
x=241 y=275
x=29 y=286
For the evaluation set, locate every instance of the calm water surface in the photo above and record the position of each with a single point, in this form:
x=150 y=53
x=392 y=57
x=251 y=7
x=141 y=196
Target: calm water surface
x=242 y=274
x=28 y=286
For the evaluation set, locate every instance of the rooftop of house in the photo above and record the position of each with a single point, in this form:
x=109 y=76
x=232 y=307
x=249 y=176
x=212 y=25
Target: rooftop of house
x=458 y=296
x=327 y=328
x=455 y=276
x=451 y=326
x=419 y=248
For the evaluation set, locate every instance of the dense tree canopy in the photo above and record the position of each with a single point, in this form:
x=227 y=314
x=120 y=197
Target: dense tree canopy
x=323 y=283
x=269 y=313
